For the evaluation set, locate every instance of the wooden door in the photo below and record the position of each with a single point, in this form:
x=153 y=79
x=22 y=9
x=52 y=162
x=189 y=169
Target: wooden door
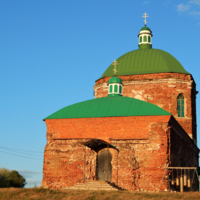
x=104 y=157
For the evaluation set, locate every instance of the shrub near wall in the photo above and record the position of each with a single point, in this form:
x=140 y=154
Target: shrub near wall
x=11 y=178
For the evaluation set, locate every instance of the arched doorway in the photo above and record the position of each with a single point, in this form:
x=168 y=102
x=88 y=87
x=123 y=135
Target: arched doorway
x=103 y=159
x=104 y=171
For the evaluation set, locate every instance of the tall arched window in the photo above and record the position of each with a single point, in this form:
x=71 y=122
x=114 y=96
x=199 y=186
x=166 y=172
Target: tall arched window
x=149 y=39
x=120 y=89
x=145 y=38
x=180 y=105
x=116 y=88
x=111 y=88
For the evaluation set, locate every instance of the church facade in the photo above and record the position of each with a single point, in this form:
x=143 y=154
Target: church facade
x=142 y=120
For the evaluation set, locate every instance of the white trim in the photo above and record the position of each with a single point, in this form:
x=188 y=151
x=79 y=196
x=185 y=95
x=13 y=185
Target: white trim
x=144 y=34
x=145 y=31
x=143 y=39
x=113 y=84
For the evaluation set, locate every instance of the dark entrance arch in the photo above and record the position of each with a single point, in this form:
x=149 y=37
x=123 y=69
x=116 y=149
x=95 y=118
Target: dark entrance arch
x=104 y=171
x=104 y=158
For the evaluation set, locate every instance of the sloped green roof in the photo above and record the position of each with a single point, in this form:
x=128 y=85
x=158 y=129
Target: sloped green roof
x=145 y=28
x=145 y=61
x=109 y=107
x=115 y=79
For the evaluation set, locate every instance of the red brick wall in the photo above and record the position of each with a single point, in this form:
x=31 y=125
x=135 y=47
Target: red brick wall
x=67 y=162
x=162 y=90
x=138 y=164
x=103 y=128
x=141 y=163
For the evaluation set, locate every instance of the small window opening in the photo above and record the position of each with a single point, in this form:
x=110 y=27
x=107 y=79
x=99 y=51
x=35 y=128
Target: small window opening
x=140 y=38
x=149 y=39
x=111 y=88
x=180 y=105
x=145 y=38
x=116 y=88
x=120 y=89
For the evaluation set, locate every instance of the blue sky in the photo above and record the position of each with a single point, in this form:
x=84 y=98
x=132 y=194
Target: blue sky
x=51 y=53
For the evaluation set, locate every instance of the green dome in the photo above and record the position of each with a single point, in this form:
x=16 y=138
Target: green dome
x=115 y=79
x=145 y=61
x=109 y=107
x=145 y=28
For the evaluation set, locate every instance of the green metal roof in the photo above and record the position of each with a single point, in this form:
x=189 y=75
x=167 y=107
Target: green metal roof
x=115 y=79
x=109 y=107
x=145 y=28
x=145 y=61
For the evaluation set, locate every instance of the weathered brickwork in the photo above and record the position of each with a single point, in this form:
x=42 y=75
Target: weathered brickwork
x=138 y=161
x=66 y=162
x=162 y=90
x=102 y=128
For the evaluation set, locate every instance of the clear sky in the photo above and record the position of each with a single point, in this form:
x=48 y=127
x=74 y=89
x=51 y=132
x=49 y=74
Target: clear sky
x=52 y=51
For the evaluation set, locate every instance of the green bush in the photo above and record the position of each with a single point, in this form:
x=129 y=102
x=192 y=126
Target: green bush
x=11 y=178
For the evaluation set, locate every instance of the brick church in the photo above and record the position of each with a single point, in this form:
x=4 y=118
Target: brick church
x=142 y=120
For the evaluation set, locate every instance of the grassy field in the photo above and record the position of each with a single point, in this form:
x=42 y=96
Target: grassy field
x=40 y=194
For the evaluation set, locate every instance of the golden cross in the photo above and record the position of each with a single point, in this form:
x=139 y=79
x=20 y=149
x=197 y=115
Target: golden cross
x=145 y=16
x=115 y=63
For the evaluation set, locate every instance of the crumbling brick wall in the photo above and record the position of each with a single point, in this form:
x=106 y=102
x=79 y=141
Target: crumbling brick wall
x=137 y=164
x=141 y=162
x=142 y=147
x=67 y=162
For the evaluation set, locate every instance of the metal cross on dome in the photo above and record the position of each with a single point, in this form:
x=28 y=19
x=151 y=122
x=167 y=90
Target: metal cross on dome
x=145 y=16
x=115 y=64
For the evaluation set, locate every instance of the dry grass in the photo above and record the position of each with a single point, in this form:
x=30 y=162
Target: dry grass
x=41 y=194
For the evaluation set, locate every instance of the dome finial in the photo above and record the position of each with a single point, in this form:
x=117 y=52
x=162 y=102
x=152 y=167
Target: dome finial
x=115 y=83
x=115 y=70
x=145 y=16
x=145 y=36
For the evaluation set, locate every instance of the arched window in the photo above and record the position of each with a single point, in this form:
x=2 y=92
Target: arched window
x=111 y=88
x=145 y=38
x=180 y=105
x=140 y=38
x=149 y=39
x=120 y=89
x=116 y=88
